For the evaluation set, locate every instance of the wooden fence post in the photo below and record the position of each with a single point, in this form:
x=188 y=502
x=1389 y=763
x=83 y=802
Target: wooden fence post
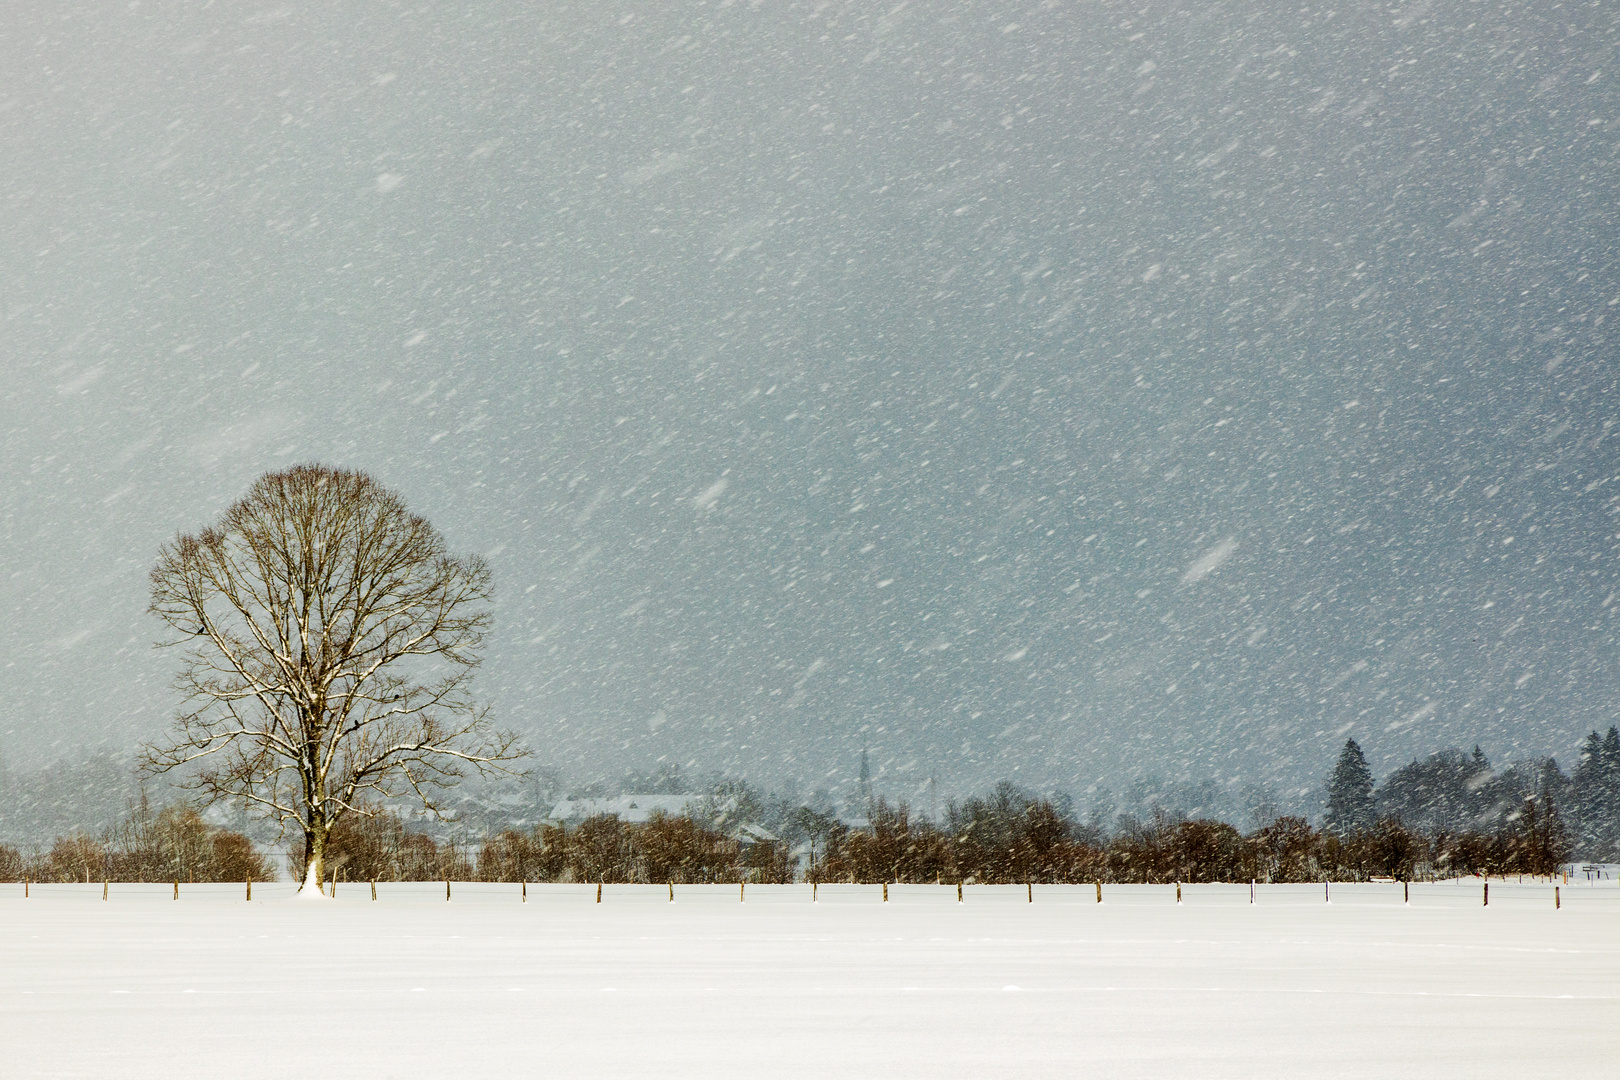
x=813 y=886
x=177 y=888
x=25 y=888
x=1251 y=890
x=1486 y=901
x=525 y=892
x=447 y=890
x=741 y=886
x=885 y=892
x=1178 y=892
x=1406 y=892
x=250 y=889
x=104 y=888
x=672 y=892
x=1099 y=892
x=598 y=892
x=958 y=892
x=1558 y=901
x=1327 y=897
x=1029 y=888
x=374 y=889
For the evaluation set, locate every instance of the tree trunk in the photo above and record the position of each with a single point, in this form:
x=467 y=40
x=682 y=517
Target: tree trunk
x=314 y=858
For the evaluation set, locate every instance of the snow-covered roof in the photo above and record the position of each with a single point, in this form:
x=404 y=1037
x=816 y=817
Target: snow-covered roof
x=631 y=808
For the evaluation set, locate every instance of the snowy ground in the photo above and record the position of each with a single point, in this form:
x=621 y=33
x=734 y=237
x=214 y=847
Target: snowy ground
x=410 y=986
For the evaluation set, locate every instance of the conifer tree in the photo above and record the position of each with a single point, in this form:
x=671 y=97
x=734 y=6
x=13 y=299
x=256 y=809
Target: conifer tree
x=1605 y=804
x=1587 y=796
x=1595 y=802
x=1542 y=841
x=1350 y=792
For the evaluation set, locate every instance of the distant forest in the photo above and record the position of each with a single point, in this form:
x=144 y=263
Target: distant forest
x=1446 y=815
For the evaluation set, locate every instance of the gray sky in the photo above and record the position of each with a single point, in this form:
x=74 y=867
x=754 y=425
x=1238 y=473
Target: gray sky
x=1058 y=391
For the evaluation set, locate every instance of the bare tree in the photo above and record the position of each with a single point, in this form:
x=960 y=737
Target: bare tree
x=329 y=643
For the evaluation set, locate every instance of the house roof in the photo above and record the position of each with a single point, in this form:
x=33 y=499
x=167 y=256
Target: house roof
x=631 y=808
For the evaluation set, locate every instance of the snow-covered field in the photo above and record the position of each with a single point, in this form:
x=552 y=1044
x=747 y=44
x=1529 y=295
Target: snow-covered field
x=411 y=986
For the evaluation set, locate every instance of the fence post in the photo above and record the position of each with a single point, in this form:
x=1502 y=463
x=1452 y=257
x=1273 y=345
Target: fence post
x=1406 y=892
x=525 y=892
x=177 y=888
x=1558 y=901
x=1251 y=890
x=958 y=892
x=1029 y=887
x=25 y=888
x=813 y=886
x=250 y=888
x=1178 y=892
x=373 y=889
x=885 y=892
x=1486 y=902
x=447 y=890
x=598 y=892
x=672 y=892
x=1327 y=897
x=1099 y=892
x=104 y=888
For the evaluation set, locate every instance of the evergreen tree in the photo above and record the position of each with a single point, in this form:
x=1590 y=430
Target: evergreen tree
x=1449 y=790
x=1606 y=798
x=1586 y=796
x=1595 y=802
x=1544 y=840
x=1590 y=760
x=1350 y=792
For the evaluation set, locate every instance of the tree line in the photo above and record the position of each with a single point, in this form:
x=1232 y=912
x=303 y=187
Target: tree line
x=1010 y=840
x=171 y=843
x=1008 y=836
x=1445 y=815
x=1455 y=793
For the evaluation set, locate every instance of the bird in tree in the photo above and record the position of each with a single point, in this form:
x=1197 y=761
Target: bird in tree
x=1350 y=792
x=329 y=641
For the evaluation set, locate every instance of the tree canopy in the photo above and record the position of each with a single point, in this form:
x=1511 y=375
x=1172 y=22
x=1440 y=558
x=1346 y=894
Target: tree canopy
x=329 y=641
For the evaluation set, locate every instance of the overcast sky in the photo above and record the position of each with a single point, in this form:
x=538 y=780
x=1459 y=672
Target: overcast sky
x=1055 y=391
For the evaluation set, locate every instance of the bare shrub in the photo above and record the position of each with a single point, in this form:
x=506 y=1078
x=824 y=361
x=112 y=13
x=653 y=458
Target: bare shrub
x=11 y=863
x=75 y=857
x=679 y=850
